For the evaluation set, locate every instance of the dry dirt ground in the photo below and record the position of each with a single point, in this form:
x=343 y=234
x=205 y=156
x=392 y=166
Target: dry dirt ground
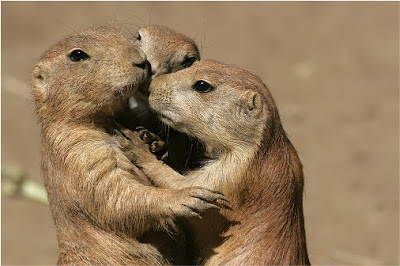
x=332 y=67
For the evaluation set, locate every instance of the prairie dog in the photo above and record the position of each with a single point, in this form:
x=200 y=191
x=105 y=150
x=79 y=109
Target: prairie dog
x=105 y=209
x=167 y=51
x=233 y=114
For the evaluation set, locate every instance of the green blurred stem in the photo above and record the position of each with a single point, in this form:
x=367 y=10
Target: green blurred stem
x=16 y=184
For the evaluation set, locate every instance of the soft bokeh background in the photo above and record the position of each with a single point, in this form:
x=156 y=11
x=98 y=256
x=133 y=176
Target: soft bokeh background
x=333 y=69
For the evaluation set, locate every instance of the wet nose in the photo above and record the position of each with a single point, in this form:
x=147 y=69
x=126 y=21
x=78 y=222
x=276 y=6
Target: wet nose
x=145 y=65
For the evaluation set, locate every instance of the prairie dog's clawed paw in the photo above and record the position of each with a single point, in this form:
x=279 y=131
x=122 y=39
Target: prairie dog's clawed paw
x=132 y=146
x=192 y=201
x=146 y=135
x=154 y=141
x=156 y=144
x=137 y=145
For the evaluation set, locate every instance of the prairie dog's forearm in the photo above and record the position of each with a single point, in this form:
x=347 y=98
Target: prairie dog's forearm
x=161 y=174
x=110 y=190
x=165 y=177
x=123 y=205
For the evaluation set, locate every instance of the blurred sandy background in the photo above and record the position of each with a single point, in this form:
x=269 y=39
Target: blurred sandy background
x=333 y=69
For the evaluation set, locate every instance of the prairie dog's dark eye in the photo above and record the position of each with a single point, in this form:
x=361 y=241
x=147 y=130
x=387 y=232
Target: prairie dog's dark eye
x=188 y=61
x=138 y=37
x=202 y=86
x=78 y=55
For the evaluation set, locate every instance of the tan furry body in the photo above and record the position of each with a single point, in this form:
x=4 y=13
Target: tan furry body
x=105 y=209
x=255 y=165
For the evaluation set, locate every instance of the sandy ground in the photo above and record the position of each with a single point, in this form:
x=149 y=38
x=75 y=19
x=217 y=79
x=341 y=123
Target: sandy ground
x=333 y=69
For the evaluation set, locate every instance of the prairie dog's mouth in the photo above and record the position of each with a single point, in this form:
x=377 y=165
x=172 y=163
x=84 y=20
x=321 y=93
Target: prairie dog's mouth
x=167 y=117
x=173 y=120
x=133 y=86
x=124 y=89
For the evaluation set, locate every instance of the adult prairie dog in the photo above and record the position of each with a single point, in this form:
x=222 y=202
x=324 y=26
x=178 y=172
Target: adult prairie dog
x=105 y=209
x=233 y=114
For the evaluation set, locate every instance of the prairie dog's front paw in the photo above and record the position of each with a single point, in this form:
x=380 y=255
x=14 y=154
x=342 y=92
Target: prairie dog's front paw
x=156 y=144
x=140 y=142
x=192 y=201
x=132 y=145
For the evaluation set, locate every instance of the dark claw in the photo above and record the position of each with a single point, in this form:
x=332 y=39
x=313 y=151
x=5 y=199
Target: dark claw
x=157 y=146
x=145 y=136
x=164 y=157
x=224 y=199
x=118 y=133
x=192 y=212
x=213 y=206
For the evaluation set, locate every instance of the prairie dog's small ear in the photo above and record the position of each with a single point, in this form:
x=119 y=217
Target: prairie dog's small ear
x=253 y=104
x=39 y=79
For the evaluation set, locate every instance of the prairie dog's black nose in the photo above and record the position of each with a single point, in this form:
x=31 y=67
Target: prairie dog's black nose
x=143 y=65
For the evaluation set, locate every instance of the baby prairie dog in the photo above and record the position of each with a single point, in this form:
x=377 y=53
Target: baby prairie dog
x=233 y=114
x=105 y=209
x=167 y=51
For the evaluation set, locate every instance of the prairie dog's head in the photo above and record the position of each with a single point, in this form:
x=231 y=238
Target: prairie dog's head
x=223 y=106
x=166 y=50
x=87 y=75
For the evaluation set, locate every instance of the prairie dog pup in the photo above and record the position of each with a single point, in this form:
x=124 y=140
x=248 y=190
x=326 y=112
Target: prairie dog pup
x=105 y=209
x=167 y=51
x=233 y=114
